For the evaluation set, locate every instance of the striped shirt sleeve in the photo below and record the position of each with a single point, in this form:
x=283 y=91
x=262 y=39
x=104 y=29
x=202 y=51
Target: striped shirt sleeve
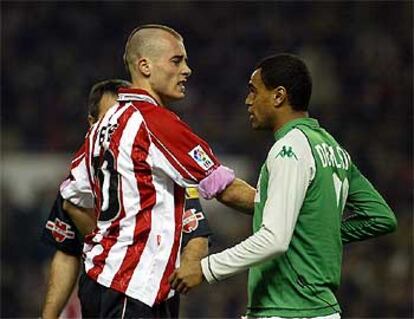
x=178 y=151
x=77 y=188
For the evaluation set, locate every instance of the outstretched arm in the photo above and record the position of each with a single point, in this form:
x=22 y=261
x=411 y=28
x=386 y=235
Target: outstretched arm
x=272 y=239
x=238 y=195
x=231 y=191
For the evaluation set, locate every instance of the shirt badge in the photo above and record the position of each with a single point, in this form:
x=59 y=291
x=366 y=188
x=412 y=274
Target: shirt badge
x=201 y=157
x=190 y=220
x=60 y=230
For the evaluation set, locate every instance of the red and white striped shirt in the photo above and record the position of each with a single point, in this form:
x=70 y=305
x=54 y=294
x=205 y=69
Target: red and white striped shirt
x=135 y=165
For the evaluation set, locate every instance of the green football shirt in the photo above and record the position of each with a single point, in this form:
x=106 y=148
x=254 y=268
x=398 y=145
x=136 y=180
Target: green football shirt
x=301 y=282
x=295 y=252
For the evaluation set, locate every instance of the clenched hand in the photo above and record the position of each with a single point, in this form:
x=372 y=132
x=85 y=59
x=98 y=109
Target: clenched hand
x=188 y=276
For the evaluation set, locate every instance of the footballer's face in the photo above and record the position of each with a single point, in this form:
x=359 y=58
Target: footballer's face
x=259 y=103
x=169 y=69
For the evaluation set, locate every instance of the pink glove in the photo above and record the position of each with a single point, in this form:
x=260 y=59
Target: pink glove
x=216 y=182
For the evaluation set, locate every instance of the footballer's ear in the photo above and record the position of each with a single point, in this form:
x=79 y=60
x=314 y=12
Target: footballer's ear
x=279 y=96
x=144 y=66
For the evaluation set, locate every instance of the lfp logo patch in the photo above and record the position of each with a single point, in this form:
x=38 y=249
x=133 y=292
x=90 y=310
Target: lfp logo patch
x=201 y=157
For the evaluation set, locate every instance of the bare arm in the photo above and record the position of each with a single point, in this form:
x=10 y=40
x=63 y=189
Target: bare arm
x=84 y=218
x=63 y=275
x=194 y=251
x=238 y=195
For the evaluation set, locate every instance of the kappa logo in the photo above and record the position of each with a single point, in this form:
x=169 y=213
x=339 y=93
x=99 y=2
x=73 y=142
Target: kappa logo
x=60 y=230
x=201 y=157
x=286 y=151
x=190 y=220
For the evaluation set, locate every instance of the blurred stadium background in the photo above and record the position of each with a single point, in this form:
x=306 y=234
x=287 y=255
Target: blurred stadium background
x=360 y=55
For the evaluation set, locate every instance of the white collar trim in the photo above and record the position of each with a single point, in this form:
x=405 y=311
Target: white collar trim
x=136 y=97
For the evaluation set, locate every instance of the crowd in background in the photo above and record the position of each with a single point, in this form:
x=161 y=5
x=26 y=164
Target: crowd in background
x=360 y=56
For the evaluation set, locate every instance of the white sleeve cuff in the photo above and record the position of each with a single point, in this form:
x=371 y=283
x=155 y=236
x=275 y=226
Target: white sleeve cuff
x=206 y=269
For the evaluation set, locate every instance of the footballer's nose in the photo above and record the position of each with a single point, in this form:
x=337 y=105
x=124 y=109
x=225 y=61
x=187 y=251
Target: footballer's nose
x=248 y=101
x=187 y=71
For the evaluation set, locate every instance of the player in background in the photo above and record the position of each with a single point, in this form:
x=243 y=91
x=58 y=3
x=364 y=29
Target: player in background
x=295 y=252
x=61 y=232
x=137 y=162
x=67 y=235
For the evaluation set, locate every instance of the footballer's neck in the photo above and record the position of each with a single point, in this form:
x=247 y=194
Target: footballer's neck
x=286 y=116
x=144 y=85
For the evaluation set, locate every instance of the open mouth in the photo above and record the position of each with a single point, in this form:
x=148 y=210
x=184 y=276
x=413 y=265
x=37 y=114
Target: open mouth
x=181 y=86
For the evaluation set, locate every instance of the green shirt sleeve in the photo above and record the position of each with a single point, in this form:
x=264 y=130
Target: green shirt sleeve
x=370 y=215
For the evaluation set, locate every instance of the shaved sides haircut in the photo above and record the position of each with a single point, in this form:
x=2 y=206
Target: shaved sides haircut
x=139 y=42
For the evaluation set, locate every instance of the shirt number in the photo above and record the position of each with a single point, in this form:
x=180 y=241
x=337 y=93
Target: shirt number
x=109 y=186
x=341 y=190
